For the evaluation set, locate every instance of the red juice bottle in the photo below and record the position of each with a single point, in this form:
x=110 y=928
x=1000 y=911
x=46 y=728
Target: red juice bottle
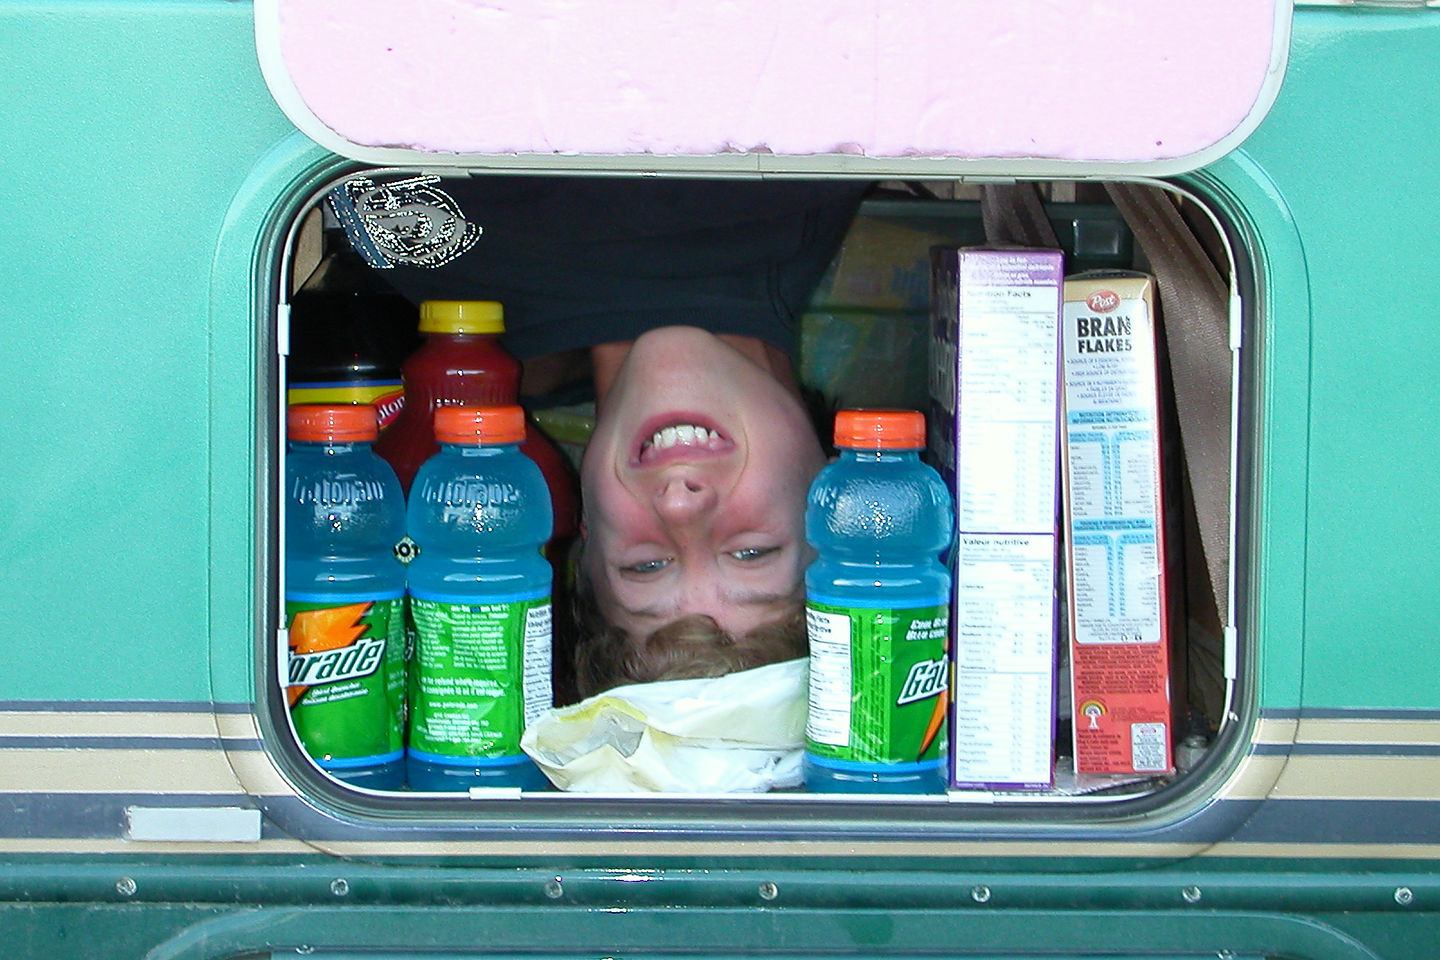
x=462 y=363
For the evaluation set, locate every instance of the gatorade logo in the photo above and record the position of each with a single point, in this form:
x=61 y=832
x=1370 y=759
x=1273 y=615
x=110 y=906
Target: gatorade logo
x=483 y=493
x=360 y=659
x=337 y=493
x=926 y=679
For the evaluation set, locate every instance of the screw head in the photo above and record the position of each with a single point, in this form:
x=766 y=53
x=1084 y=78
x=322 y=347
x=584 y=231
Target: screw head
x=769 y=891
x=554 y=889
x=340 y=886
x=1404 y=896
x=1191 y=894
x=980 y=893
x=125 y=886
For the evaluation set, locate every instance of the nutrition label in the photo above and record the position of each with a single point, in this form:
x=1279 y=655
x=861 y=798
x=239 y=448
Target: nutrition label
x=1004 y=660
x=829 y=713
x=1007 y=429
x=536 y=660
x=1113 y=472
x=1006 y=436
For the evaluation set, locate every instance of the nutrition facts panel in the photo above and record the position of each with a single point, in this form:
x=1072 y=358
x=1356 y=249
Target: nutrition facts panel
x=1004 y=660
x=1006 y=435
x=1113 y=475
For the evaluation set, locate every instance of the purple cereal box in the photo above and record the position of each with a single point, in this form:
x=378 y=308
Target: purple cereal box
x=994 y=429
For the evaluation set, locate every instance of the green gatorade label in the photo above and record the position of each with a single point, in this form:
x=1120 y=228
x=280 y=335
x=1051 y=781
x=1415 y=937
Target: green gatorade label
x=879 y=683
x=482 y=672
x=346 y=678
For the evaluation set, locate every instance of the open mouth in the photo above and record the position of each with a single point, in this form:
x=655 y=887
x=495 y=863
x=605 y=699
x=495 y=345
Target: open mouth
x=678 y=438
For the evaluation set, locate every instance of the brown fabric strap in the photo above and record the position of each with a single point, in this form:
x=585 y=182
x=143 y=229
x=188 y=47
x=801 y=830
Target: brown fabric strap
x=1014 y=213
x=1194 y=307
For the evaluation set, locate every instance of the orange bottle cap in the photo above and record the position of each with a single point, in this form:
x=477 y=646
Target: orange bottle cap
x=332 y=422
x=502 y=424
x=880 y=429
x=462 y=316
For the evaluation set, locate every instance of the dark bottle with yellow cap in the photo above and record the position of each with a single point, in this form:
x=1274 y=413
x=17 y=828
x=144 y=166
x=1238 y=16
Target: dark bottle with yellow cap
x=349 y=333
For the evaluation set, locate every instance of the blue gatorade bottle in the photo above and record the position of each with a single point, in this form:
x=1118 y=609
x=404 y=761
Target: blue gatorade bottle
x=480 y=596
x=877 y=611
x=344 y=595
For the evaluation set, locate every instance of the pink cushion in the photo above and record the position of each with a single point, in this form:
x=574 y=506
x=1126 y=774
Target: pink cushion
x=1075 y=80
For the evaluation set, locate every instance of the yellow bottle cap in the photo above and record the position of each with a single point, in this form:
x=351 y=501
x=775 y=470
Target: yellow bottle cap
x=462 y=316
x=500 y=424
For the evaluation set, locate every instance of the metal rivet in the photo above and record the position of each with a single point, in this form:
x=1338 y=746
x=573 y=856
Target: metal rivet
x=768 y=891
x=554 y=889
x=1191 y=894
x=340 y=886
x=125 y=886
x=1404 y=896
x=980 y=894
x=304 y=949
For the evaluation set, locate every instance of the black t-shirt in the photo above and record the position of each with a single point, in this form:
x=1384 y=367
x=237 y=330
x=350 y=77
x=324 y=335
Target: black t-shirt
x=578 y=261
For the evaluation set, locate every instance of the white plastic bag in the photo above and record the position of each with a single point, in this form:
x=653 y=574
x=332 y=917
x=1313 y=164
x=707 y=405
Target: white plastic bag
x=740 y=733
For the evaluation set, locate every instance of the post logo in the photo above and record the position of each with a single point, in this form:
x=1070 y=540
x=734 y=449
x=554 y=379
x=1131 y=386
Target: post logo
x=1103 y=301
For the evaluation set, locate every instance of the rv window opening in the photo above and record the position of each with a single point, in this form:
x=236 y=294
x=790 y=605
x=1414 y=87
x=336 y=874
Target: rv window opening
x=870 y=316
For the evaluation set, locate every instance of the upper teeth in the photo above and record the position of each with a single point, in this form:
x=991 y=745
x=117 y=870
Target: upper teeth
x=686 y=433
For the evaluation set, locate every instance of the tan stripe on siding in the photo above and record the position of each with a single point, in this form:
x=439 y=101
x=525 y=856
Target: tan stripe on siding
x=107 y=724
x=1328 y=776
x=116 y=771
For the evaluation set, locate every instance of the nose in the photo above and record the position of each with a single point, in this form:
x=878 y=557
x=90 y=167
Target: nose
x=682 y=499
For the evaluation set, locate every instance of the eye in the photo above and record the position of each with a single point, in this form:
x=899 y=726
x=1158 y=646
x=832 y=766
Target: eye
x=751 y=554
x=646 y=566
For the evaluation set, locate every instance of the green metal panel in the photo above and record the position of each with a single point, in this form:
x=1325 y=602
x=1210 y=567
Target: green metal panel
x=126 y=129
x=1352 y=146
x=565 y=931
x=206 y=910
